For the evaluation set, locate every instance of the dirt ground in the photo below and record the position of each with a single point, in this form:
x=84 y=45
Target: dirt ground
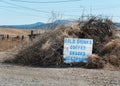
x=13 y=75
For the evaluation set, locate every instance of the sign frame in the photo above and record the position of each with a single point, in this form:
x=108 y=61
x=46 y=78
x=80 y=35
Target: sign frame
x=77 y=50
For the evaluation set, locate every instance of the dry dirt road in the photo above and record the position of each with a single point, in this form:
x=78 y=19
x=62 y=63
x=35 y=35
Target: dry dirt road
x=12 y=75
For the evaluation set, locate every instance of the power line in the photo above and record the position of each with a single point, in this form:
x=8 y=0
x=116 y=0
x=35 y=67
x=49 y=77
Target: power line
x=46 y=1
x=26 y=7
x=7 y=7
x=36 y=10
x=18 y=12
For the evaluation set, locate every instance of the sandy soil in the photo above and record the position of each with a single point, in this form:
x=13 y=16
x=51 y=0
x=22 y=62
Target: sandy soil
x=12 y=75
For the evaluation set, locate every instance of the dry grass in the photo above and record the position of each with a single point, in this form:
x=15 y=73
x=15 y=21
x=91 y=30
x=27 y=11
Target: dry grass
x=7 y=44
x=48 y=50
x=13 y=31
x=95 y=61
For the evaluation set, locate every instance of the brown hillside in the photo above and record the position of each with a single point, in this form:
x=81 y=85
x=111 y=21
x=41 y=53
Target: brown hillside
x=13 y=31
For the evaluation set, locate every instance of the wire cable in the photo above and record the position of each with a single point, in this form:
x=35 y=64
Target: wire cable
x=46 y=1
x=16 y=12
x=28 y=8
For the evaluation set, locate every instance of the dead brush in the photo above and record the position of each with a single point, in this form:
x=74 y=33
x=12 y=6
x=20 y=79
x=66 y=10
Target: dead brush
x=98 y=29
x=111 y=52
x=113 y=60
x=111 y=47
x=48 y=50
x=95 y=61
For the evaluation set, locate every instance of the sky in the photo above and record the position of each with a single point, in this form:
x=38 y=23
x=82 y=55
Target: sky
x=17 y=12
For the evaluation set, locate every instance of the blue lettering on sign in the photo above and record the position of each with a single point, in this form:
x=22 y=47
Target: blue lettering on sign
x=67 y=59
x=77 y=53
x=75 y=59
x=77 y=47
x=69 y=41
x=84 y=42
x=72 y=41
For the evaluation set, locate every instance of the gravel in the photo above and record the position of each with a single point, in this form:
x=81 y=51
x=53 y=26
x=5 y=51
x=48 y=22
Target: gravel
x=14 y=75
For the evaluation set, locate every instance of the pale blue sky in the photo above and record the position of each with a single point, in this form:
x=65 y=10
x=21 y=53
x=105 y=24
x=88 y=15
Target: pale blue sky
x=14 y=12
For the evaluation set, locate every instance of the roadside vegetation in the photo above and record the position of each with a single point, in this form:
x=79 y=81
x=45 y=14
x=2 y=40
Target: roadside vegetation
x=48 y=49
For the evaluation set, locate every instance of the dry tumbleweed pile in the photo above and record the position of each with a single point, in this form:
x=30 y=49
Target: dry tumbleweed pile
x=48 y=50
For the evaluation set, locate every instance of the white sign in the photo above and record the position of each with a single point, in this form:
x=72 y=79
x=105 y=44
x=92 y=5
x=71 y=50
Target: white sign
x=77 y=50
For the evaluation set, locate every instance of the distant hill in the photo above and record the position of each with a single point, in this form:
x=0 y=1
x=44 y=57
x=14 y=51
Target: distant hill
x=38 y=25
x=41 y=25
x=117 y=24
x=26 y=26
x=62 y=21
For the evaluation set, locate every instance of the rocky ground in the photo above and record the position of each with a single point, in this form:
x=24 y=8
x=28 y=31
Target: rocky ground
x=13 y=75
